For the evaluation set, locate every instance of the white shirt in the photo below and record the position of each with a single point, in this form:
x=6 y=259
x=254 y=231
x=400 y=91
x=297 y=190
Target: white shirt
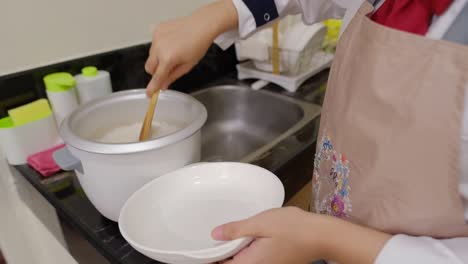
x=400 y=248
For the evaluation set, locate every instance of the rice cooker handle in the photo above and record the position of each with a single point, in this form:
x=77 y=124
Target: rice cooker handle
x=66 y=161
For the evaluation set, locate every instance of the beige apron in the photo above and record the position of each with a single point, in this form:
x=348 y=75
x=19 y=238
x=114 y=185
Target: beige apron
x=389 y=143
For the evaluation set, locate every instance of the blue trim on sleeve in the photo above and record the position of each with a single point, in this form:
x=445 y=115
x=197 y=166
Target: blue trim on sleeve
x=263 y=11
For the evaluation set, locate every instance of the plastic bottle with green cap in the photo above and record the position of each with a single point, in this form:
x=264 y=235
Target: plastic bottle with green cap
x=92 y=84
x=60 y=89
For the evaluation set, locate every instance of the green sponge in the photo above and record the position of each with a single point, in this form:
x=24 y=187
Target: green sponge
x=6 y=122
x=31 y=112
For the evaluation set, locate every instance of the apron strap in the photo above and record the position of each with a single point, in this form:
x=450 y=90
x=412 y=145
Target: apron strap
x=458 y=32
x=450 y=23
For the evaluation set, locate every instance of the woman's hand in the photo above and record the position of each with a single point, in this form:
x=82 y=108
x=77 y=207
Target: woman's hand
x=282 y=236
x=178 y=45
x=290 y=235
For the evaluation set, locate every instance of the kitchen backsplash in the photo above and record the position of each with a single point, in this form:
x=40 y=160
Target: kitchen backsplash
x=126 y=67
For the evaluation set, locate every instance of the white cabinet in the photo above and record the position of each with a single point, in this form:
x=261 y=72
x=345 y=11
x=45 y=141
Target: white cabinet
x=29 y=228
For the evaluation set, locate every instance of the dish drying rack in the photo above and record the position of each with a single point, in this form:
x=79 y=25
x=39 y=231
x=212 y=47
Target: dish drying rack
x=247 y=70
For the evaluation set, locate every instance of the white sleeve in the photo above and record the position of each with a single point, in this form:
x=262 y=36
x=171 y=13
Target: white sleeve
x=256 y=14
x=404 y=249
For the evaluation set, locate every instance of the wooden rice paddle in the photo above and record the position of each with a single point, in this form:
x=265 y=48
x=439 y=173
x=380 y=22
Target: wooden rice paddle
x=146 y=130
x=275 y=49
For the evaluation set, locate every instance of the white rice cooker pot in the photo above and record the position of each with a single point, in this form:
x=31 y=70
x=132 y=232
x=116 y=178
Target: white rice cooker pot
x=110 y=173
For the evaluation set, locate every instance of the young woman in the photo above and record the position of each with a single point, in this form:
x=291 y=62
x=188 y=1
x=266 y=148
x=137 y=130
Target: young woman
x=391 y=178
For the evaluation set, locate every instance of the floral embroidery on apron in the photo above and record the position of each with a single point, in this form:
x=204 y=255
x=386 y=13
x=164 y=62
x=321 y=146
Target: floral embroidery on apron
x=337 y=201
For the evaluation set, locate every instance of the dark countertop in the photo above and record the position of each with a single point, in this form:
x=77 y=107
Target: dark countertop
x=64 y=192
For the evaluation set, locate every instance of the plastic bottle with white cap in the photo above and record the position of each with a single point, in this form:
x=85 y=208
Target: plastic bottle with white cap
x=92 y=83
x=60 y=89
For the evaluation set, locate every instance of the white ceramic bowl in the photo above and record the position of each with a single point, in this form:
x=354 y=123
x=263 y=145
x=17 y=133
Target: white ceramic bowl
x=171 y=218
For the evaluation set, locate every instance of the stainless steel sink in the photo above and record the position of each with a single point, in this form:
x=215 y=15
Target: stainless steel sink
x=243 y=124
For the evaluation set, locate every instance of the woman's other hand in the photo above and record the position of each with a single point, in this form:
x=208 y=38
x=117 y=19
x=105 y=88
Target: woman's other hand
x=178 y=45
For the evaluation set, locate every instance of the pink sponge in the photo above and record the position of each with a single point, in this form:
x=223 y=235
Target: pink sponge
x=44 y=163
